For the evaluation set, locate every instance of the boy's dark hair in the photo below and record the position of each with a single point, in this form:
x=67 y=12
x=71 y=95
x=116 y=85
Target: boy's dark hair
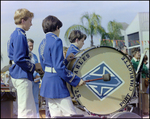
x=50 y=24
x=122 y=47
x=30 y=40
x=145 y=58
x=134 y=51
x=76 y=34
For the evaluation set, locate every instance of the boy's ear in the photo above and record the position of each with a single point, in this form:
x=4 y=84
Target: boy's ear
x=22 y=20
x=76 y=40
x=57 y=28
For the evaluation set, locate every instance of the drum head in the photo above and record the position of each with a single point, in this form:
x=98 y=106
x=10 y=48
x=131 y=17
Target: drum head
x=103 y=97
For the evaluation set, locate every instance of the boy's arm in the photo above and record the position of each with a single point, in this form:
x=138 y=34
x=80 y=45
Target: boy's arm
x=20 y=54
x=69 y=58
x=66 y=62
x=145 y=69
x=35 y=74
x=59 y=66
x=40 y=57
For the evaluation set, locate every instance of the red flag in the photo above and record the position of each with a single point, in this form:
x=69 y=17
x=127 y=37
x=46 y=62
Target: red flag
x=116 y=43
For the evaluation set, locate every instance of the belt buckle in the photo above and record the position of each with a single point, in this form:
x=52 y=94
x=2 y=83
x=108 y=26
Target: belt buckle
x=51 y=69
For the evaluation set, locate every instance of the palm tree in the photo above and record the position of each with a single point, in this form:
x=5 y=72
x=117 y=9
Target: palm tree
x=91 y=27
x=114 y=30
x=114 y=33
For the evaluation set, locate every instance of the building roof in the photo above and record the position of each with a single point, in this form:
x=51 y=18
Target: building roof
x=124 y=25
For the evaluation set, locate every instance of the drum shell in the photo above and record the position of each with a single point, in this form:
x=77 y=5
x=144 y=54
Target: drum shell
x=124 y=115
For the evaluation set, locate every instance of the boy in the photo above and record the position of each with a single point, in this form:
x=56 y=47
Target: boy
x=35 y=83
x=56 y=74
x=125 y=51
x=22 y=69
x=77 y=41
x=135 y=62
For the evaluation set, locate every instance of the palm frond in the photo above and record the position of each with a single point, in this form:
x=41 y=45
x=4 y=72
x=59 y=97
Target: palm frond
x=86 y=17
x=114 y=30
x=91 y=25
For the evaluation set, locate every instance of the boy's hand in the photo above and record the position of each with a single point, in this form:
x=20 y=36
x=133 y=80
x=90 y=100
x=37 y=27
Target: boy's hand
x=81 y=83
x=70 y=57
x=36 y=77
x=38 y=68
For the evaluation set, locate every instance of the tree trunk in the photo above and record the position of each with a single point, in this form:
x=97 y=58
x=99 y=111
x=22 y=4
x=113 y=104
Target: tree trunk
x=91 y=40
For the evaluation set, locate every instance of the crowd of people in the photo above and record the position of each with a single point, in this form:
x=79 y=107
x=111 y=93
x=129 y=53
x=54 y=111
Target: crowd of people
x=135 y=60
x=25 y=70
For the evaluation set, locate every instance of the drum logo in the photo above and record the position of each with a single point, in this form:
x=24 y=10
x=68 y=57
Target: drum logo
x=101 y=88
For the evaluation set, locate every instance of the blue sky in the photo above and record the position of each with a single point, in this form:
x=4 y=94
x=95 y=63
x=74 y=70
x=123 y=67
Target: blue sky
x=69 y=12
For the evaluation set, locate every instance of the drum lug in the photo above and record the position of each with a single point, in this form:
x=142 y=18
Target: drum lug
x=87 y=110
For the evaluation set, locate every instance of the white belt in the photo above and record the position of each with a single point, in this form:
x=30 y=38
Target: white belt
x=13 y=62
x=50 y=69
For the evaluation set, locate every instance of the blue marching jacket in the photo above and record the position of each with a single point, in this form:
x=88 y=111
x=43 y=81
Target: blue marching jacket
x=18 y=52
x=53 y=63
x=72 y=49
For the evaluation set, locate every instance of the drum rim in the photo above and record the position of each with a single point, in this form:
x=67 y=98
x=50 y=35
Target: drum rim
x=81 y=55
x=100 y=47
x=122 y=54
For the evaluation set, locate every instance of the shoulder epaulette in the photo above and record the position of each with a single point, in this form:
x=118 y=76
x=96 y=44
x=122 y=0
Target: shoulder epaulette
x=54 y=36
x=22 y=32
x=75 y=48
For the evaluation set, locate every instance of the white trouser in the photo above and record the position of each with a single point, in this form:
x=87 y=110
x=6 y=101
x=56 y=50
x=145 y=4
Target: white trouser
x=61 y=107
x=26 y=104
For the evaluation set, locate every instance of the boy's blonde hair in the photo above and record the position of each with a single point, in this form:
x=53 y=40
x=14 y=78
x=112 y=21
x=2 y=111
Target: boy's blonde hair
x=22 y=14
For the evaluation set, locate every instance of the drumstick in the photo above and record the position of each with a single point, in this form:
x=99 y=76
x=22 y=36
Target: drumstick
x=106 y=77
x=93 y=80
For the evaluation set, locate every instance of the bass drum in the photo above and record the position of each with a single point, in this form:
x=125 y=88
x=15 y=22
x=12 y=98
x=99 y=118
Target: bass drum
x=101 y=97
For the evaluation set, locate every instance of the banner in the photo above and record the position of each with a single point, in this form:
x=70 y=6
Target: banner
x=134 y=42
x=137 y=41
x=122 y=42
x=116 y=43
x=111 y=41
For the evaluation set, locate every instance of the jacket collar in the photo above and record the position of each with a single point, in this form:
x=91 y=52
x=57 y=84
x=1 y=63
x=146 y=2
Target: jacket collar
x=21 y=29
x=135 y=59
x=50 y=33
x=75 y=47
